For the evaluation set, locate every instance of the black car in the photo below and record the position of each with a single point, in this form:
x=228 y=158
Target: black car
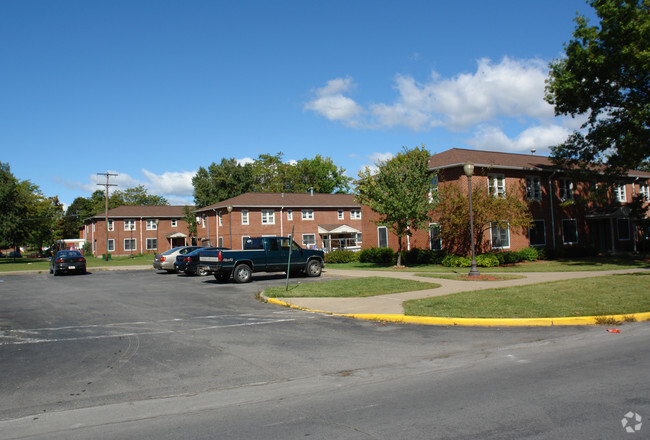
x=67 y=261
x=188 y=263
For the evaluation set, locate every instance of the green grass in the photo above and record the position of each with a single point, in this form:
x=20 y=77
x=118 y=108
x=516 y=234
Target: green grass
x=607 y=295
x=9 y=265
x=564 y=265
x=463 y=276
x=356 y=287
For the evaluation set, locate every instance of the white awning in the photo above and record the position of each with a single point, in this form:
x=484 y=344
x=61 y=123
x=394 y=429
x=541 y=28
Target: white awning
x=176 y=235
x=337 y=229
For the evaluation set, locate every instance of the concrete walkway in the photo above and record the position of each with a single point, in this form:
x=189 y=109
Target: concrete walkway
x=384 y=306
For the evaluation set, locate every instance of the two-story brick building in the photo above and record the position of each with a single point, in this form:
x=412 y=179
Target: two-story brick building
x=563 y=213
x=327 y=221
x=137 y=229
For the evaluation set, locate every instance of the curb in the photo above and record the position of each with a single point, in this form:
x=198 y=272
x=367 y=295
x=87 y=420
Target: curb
x=481 y=322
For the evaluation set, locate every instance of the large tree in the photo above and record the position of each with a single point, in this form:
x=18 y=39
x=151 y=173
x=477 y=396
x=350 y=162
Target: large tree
x=399 y=192
x=221 y=181
x=509 y=211
x=13 y=208
x=605 y=77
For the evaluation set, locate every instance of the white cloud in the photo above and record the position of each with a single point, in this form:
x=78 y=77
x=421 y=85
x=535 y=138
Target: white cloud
x=331 y=102
x=170 y=183
x=538 y=137
x=376 y=158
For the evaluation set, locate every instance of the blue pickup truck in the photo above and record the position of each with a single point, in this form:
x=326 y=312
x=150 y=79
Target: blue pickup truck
x=262 y=254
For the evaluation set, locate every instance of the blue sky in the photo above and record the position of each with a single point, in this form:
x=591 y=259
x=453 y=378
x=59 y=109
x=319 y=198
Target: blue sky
x=152 y=90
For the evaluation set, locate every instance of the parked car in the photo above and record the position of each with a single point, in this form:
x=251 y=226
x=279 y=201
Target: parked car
x=67 y=261
x=189 y=263
x=166 y=260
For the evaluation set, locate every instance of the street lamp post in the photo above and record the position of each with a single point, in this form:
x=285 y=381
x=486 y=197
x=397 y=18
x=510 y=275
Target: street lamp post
x=230 y=223
x=468 y=168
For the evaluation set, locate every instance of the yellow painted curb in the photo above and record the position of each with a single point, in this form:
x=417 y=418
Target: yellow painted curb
x=488 y=322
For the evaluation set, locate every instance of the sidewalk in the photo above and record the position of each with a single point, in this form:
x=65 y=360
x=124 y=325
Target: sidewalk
x=389 y=307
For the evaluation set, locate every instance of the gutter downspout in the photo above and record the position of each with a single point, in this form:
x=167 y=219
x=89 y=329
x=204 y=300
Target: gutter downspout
x=141 y=236
x=550 y=199
x=281 y=222
x=216 y=222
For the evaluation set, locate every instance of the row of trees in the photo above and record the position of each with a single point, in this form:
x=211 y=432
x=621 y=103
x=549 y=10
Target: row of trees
x=267 y=173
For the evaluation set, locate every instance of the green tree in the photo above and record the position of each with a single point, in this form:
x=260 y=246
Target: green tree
x=80 y=209
x=190 y=218
x=271 y=174
x=400 y=193
x=221 y=181
x=13 y=208
x=605 y=77
x=43 y=221
x=321 y=175
x=509 y=211
x=136 y=196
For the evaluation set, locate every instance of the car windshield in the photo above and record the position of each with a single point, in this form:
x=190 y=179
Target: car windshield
x=64 y=254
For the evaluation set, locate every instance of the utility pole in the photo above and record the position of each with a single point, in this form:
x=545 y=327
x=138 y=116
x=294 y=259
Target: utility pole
x=108 y=175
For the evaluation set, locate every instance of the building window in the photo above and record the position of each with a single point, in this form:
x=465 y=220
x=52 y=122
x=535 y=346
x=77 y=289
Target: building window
x=308 y=240
x=289 y=214
x=111 y=245
x=435 y=241
x=500 y=236
x=566 y=188
x=434 y=188
x=340 y=214
x=620 y=192
x=111 y=225
x=307 y=214
x=623 y=228
x=497 y=185
x=174 y=223
x=644 y=189
x=244 y=217
x=533 y=188
x=152 y=244
x=268 y=217
x=151 y=225
x=220 y=216
x=129 y=225
x=537 y=233
x=569 y=231
x=382 y=236
x=355 y=214
x=129 y=244
x=203 y=221
x=220 y=241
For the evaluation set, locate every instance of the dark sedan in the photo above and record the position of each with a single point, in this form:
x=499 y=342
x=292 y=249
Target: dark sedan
x=67 y=261
x=189 y=263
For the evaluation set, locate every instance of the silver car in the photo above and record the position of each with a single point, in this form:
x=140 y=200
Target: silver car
x=166 y=260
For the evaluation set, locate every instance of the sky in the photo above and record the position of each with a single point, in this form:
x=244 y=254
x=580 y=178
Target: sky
x=153 y=90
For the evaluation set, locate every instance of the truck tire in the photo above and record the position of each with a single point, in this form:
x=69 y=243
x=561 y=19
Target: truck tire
x=242 y=273
x=314 y=268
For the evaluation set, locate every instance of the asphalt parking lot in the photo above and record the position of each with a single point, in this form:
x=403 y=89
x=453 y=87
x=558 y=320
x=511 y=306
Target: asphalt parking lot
x=110 y=338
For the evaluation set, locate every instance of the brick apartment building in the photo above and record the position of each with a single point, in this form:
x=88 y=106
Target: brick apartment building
x=137 y=230
x=327 y=221
x=562 y=214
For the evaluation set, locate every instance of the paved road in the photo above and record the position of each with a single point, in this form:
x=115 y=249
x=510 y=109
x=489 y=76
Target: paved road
x=145 y=355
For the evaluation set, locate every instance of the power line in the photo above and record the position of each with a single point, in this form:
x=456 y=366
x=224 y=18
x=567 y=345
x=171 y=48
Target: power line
x=107 y=185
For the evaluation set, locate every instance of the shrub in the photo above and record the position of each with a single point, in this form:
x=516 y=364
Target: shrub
x=510 y=257
x=487 y=260
x=456 y=261
x=341 y=256
x=377 y=255
x=422 y=256
x=528 y=254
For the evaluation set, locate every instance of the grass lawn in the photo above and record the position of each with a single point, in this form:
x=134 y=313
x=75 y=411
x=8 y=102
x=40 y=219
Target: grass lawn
x=9 y=265
x=608 y=295
x=356 y=287
x=464 y=277
x=564 y=265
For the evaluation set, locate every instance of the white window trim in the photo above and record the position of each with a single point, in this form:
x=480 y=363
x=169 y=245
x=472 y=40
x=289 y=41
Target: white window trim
x=135 y=244
x=341 y=214
x=497 y=185
x=507 y=229
x=355 y=214
x=382 y=228
x=311 y=243
x=244 y=216
x=307 y=214
x=111 y=241
x=431 y=225
x=174 y=223
x=289 y=214
x=575 y=222
x=534 y=183
x=644 y=190
x=565 y=185
x=268 y=217
x=151 y=225
x=111 y=225
x=148 y=240
x=129 y=222
x=621 y=195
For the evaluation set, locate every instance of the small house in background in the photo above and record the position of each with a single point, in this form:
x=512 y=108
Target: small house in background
x=323 y=221
x=137 y=230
